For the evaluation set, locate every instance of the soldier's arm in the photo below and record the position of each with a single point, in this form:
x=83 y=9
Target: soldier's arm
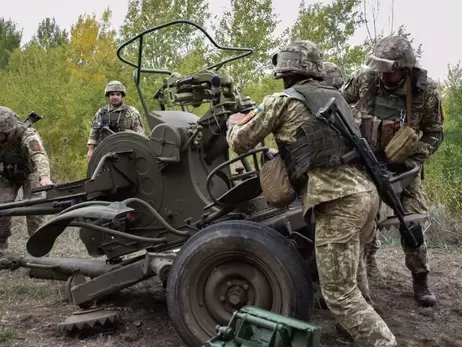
x=257 y=124
x=351 y=90
x=32 y=145
x=135 y=121
x=92 y=139
x=431 y=126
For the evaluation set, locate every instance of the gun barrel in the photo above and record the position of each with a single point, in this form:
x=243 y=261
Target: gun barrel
x=23 y=203
x=68 y=266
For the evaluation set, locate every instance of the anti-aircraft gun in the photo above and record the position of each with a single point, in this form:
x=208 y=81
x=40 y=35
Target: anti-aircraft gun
x=168 y=205
x=174 y=190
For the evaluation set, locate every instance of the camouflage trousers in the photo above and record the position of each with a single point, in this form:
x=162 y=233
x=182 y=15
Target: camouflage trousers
x=414 y=200
x=343 y=227
x=8 y=193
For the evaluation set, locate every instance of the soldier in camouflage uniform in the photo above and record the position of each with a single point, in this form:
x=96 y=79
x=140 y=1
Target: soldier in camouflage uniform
x=381 y=89
x=24 y=163
x=334 y=76
x=342 y=197
x=115 y=117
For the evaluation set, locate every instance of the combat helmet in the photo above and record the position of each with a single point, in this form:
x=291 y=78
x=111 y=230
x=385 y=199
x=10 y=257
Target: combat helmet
x=300 y=57
x=334 y=76
x=7 y=119
x=114 y=86
x=392 y=53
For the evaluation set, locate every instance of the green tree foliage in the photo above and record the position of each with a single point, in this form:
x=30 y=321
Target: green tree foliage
x=248 y=23
x=331 y=27
x=178 y=48
x=10 y=39
x=50 y=35
x=444 y=172
x=62 y=74
x=144 y=14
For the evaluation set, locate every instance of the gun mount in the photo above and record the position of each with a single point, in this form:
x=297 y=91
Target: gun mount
x=205 y=231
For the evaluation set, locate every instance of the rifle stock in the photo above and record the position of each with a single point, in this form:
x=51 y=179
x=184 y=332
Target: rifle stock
x=411 y=232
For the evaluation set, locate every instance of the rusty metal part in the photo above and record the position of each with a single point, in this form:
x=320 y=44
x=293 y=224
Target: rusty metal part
x=89 y=319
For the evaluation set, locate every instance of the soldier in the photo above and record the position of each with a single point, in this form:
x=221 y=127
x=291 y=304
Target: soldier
x=343 y=199
x=115 y=117
x=391 y=92
x=23 y=163
x=334 y=76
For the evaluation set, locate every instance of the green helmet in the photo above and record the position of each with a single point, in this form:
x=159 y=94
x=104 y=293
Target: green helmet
x=7 y=119
x=392 y=53
x=300 y=57
x=334 y=76
x=114 y=86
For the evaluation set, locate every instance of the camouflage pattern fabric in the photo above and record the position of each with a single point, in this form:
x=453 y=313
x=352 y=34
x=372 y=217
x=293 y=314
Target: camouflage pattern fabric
x=343 y=197
x=427 y=117
x=334 y=75
x=392 y=53
x=132 y=122
x=34 y=151
x=343 y=227
x=114 y=86
x=301 y=57
x=415 y=200
x=282 y=115
x=8 y=193
x=32 y=145
x=426 y=110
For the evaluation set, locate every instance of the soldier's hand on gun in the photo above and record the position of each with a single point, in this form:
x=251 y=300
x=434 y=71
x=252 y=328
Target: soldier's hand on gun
x=45 y=181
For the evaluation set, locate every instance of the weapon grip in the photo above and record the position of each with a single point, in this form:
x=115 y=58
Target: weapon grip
x=349 y=157
x=34 y=116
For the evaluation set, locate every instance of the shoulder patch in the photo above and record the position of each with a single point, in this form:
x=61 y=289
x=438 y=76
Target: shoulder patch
x=34 y=145
x=247 y=117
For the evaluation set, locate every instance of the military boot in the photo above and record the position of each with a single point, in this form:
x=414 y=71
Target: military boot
x=422 y=293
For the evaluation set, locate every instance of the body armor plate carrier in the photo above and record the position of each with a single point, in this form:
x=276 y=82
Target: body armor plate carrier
x=317 y=145
x=14 y=165
x=114 y=120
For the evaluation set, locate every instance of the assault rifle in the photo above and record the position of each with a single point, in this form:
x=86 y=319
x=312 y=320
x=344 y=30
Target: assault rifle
x=411 y=232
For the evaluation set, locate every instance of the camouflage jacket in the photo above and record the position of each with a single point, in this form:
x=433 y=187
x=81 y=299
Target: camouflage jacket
x=427 y=115
x=34 y=152
x=132 y=121
x=282 y=115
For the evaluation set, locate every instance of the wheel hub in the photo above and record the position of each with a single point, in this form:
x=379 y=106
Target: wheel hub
x=237 y=295
x=234 y=285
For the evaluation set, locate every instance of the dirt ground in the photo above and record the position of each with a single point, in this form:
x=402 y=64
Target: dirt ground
x=30 y=309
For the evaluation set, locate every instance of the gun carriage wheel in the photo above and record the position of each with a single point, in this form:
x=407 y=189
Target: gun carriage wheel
x=229 y=265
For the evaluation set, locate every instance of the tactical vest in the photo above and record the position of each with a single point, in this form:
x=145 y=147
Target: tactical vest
x=391 y=108
x=114 y=120
x=388 y=112
x=14 y=165
x=317 y=144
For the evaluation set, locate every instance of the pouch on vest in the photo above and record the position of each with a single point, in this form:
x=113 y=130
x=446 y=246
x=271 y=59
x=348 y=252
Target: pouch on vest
x=402 y=145
x=369 y=128
x=388 y=130
x=275 y=183
x=406 y=139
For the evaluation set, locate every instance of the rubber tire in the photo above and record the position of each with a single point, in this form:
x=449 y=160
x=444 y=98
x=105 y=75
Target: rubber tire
x=272 y=249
